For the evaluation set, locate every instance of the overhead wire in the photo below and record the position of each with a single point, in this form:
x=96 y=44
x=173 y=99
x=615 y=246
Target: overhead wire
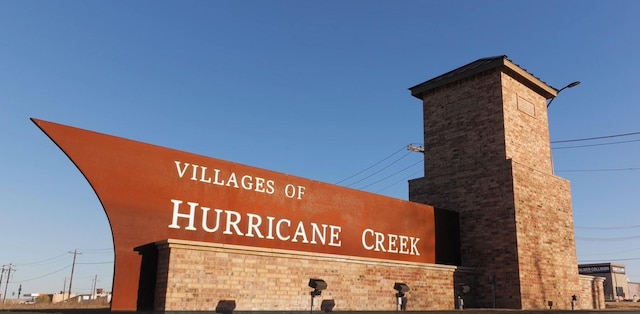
x=592 y=145
x=608 y=239
x=42 y=276
x=42 y=262
x=595 y=145
x=383 y=168
x=611 y=228
x=595 y=138
x=611 y=253
x=375 y=164
x=404 y=179
x=599 y=170
x=391 y=175
x=552 y=142
x=609 y=260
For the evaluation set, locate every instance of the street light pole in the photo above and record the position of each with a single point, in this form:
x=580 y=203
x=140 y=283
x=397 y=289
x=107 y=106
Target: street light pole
x=574 y=84
x=570 y=85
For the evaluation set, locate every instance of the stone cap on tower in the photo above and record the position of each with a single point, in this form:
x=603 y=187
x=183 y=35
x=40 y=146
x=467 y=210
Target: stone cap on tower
x=482 y=65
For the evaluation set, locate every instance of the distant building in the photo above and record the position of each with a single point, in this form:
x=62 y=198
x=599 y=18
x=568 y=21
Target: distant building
x=616 y=285
x=634 y=290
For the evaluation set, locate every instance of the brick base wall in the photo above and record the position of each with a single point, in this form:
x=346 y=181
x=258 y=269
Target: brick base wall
x=546 y=243
x=195 y=276
x=591 y=294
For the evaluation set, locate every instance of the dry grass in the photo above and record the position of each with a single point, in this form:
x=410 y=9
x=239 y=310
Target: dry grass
x=56 y=306
x=625 y=306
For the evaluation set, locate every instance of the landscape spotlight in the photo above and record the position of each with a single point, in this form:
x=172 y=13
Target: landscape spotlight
x=226 y=306
x=318 y=285
x=402 y=300
x=327 y=305
x=401 y=288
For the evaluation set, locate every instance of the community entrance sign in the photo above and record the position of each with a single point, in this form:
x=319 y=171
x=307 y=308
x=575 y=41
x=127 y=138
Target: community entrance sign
x=150 y=194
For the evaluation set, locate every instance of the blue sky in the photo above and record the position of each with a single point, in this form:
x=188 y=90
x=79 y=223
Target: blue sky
x=316 y=89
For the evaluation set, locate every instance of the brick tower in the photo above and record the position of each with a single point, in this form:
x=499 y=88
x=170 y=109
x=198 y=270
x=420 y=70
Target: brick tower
x=488 y=158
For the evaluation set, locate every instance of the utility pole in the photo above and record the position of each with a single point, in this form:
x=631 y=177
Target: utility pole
x=73 y=265
x=6 y=285
x=415 y=148
x=1 y=275
x=93 y=288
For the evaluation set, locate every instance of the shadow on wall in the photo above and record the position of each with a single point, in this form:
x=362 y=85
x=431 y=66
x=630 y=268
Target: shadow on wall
x=226 y=306
x=148 y=273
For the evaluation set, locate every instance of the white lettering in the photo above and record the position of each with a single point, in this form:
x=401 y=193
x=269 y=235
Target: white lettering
x=194 y=173
x=403 y=245
x=259 y=185
x=251 y=225
x=364 y=240
x=379 y=242
x=270 y=187
x=176 y=215
x=334 y=236
x=182 y=171
x=232 y=222
x=300 y=191
x=300 y=232
x=392 y=248
x=322 y=235
x=203 y=170
x=289 y=191
x=372 y=240
x=270 y=233
x=216 y=177
x=254 y=222
x=205 y=212
x=247 y=184
x=278 y=229
x=232 y=180
x=414 y=247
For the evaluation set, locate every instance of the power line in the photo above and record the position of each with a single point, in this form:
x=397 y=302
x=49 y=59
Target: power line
x=592 y=145
x=45 y=275
x=610 y=260
x=610 y=228
x=412 y=175
x=385 y=167
x=43 y=262
x=608 y=239
x=553 y=142
x=599 y=170
x=377 y=163
x=610 y=253
x=596 y=138
x=95 y=250
x=387 y=177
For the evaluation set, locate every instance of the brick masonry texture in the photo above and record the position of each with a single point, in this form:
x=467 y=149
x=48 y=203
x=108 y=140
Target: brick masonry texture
x=488 y=157
x=591 y=294
x=196 y=276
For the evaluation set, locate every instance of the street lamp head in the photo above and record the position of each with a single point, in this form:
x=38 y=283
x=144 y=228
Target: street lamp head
x=570 y=85
x=574 y=84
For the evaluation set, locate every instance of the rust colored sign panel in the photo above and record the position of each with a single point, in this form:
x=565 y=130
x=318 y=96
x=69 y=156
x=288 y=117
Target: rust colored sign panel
x=152 y=193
